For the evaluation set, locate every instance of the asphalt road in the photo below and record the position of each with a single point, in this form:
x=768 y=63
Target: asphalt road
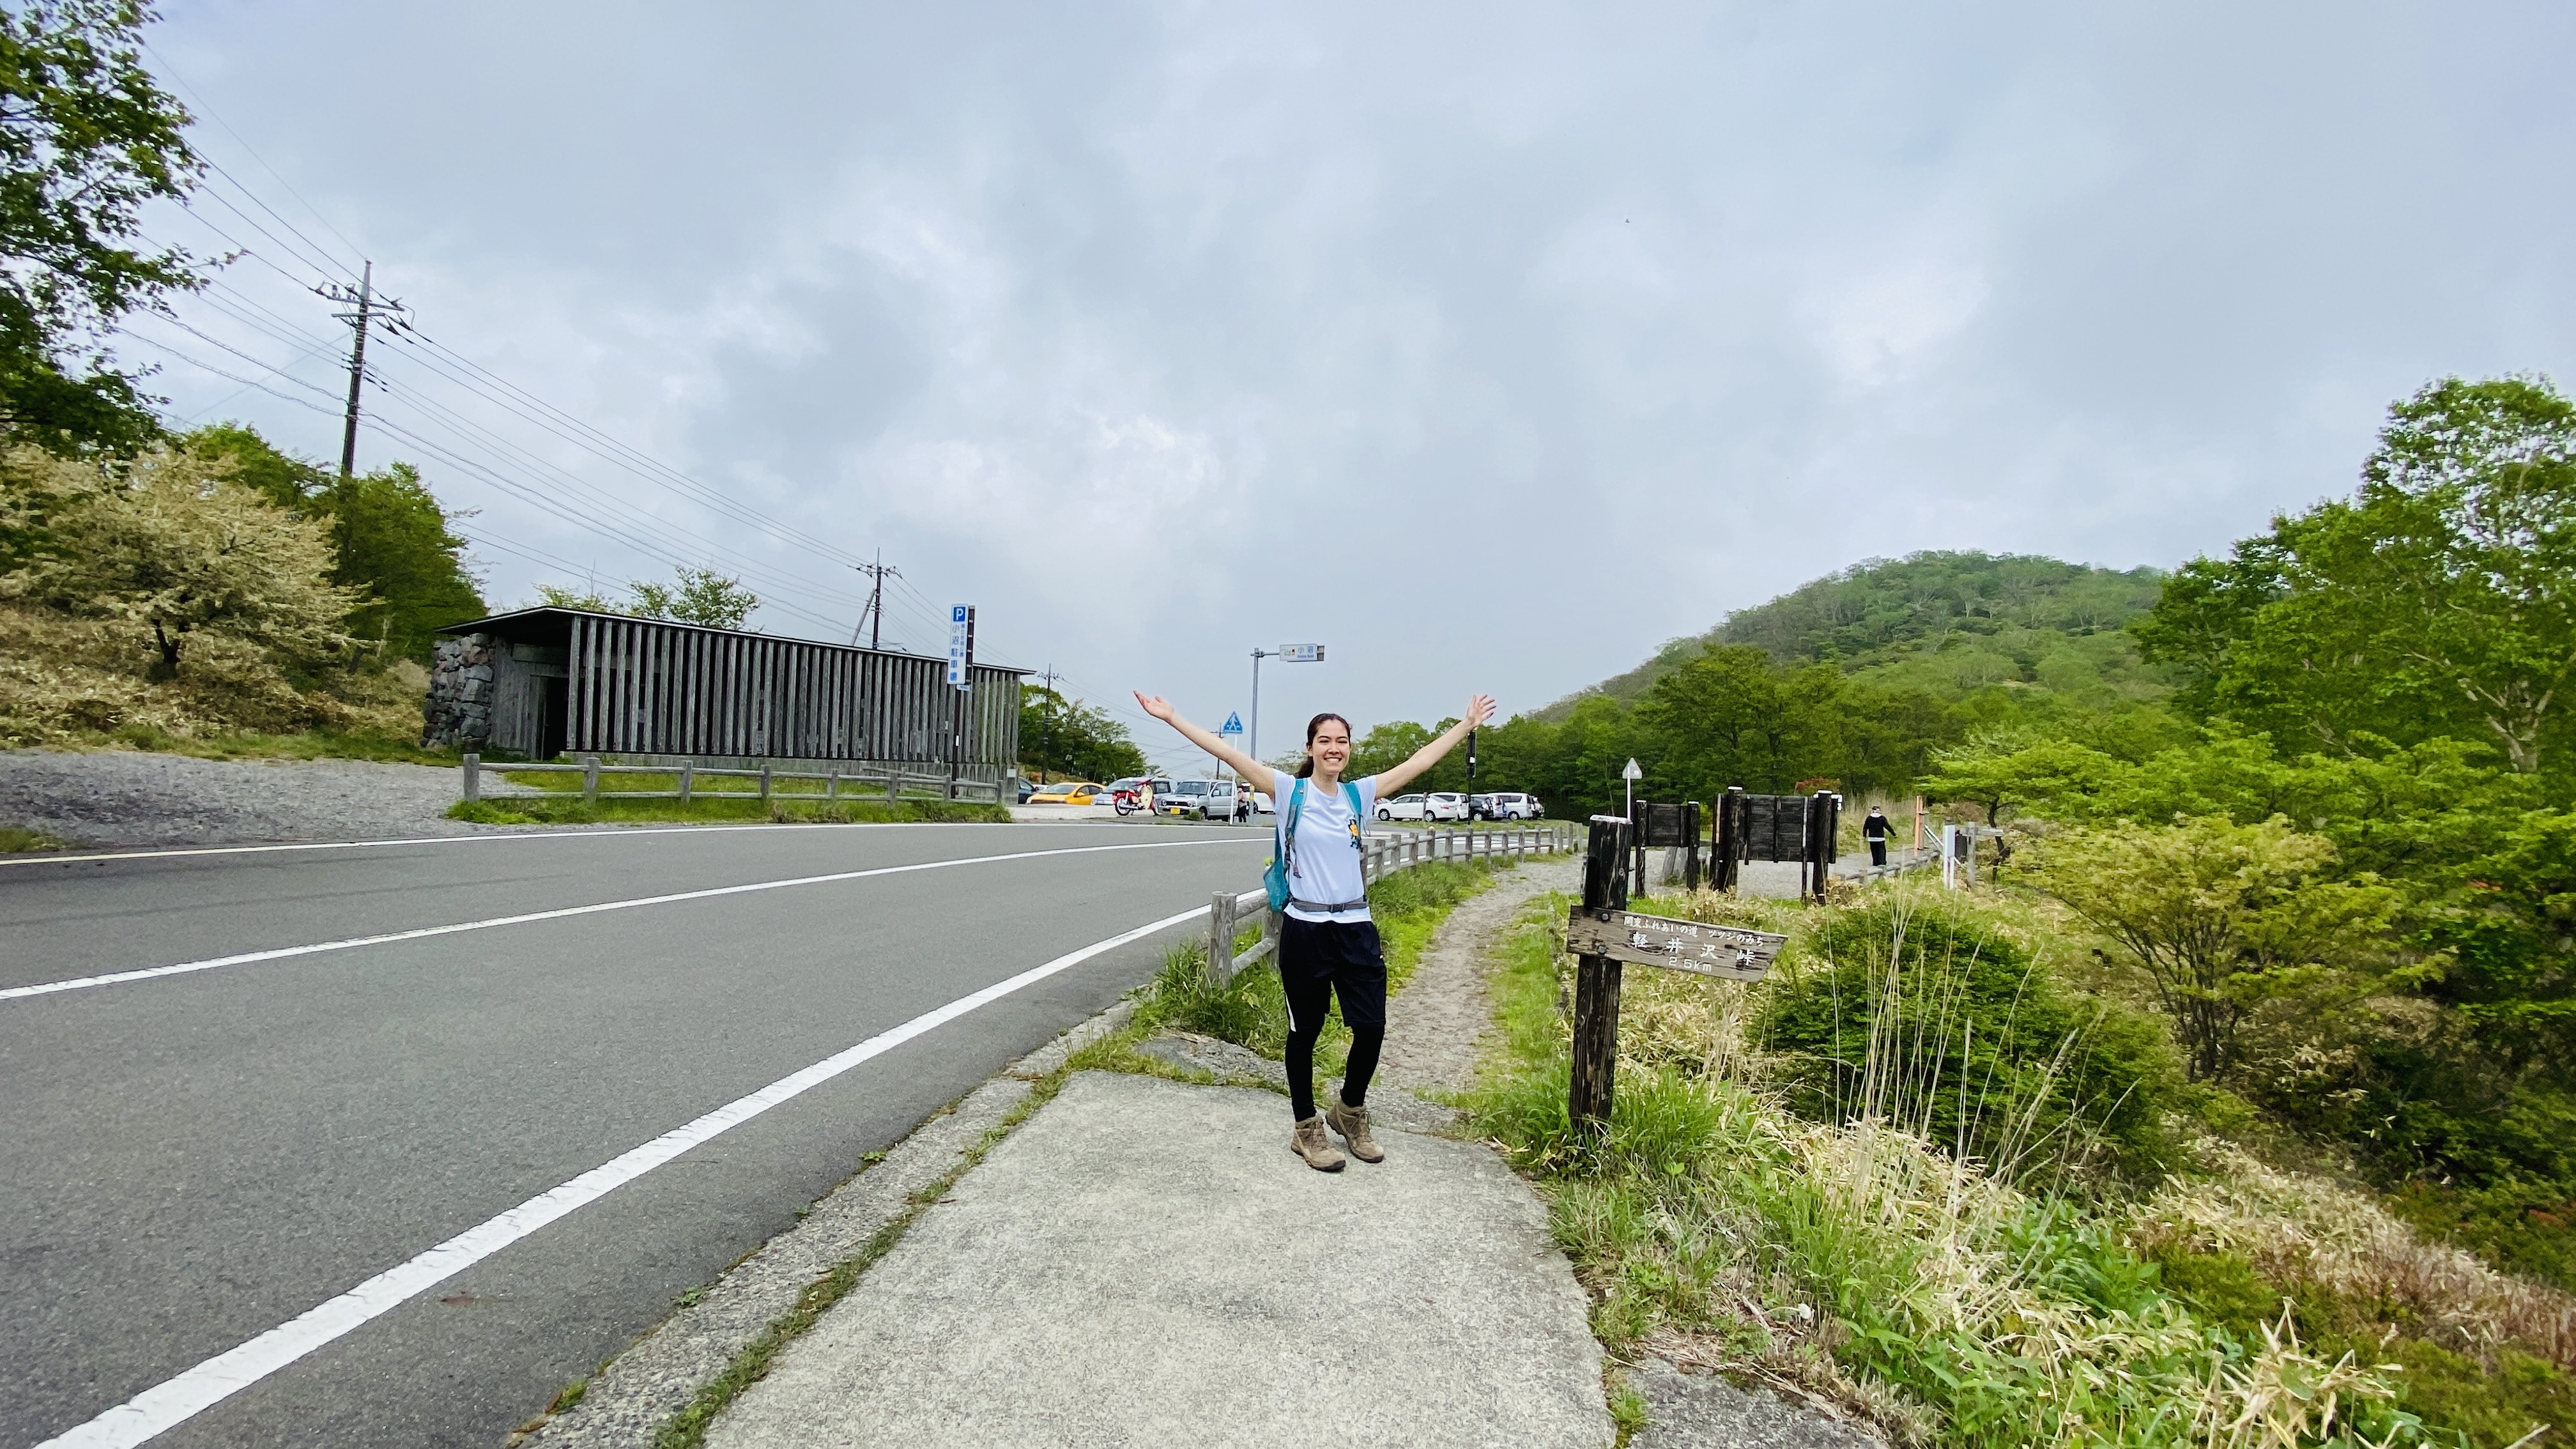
x=190 y=1160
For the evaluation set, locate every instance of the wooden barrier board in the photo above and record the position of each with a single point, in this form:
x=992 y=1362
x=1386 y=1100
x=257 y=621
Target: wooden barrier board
x=1728 y=951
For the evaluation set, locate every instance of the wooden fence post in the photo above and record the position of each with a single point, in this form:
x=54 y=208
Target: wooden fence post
x=832 y=787
x=1220 y=955
x=1690 y=860
x=764 y=782
x=590 y=779
x=1827 y=824
x=1730 y=838
x=1596 y=980
x=688 y=779
x=473 y=775
x=894 y=783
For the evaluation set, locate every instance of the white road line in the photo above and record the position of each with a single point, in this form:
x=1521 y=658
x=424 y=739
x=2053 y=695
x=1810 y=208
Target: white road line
x=176 y=1400
x=79 y=983
x=617 y=833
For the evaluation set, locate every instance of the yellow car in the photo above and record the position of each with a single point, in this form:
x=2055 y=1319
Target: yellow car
x=1067 y=792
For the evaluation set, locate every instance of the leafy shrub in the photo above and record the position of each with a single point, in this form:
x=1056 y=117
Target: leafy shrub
x=1912 y=1012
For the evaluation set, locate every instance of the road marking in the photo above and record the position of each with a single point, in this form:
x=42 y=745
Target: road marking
x=612 y=833
x=175 y=1400
x=112 y=978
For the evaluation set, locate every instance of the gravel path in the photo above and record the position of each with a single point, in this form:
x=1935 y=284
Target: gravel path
x=116 y=797
x=1433 y=1028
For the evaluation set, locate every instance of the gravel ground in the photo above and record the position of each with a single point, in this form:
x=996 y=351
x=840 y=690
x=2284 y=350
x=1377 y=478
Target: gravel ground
x=115 y=797
x=1433 y=1032
x=1433 y=1025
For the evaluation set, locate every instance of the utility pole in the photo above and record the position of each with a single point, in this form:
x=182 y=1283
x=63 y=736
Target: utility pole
x=1046 y=746
x=875 y=615
x=371 y=310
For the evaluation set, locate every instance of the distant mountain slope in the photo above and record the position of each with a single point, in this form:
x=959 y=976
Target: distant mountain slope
x=1891 y=612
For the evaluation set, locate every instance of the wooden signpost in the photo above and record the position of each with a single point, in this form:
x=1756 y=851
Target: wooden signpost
x=1727 y=951
x=1603 y=933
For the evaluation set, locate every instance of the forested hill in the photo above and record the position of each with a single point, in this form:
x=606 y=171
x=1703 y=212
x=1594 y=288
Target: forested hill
x=1882 y=610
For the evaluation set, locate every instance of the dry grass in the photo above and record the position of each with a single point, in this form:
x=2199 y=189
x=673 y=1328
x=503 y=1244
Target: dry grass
x=67 y=681
x=2297 y=1230
x=1869 y=1270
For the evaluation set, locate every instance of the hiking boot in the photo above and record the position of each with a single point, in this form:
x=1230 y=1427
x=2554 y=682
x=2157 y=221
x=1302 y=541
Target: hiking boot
x=1310 y=1143
x=1352 y=1123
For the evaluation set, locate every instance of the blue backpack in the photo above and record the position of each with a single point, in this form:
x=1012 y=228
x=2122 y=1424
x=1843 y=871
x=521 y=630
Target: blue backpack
x=1274 y=880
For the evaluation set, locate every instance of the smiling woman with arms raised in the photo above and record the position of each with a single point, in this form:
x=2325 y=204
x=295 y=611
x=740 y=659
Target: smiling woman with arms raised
x=1328 y=946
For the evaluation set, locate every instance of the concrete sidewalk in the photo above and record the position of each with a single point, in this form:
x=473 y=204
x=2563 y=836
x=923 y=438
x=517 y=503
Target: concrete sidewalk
x=1145 y=1263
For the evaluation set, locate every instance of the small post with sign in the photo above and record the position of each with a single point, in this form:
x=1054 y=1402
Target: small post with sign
x=1232 y=734
x=961 y=665
x=1603 y=933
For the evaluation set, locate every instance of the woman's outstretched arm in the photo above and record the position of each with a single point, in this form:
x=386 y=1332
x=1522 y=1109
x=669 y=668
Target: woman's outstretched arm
x=1394 y=779
x=1249 y=768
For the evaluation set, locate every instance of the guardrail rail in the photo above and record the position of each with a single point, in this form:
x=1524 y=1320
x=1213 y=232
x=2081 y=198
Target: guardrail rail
x=1382 y=855
x=689 y=773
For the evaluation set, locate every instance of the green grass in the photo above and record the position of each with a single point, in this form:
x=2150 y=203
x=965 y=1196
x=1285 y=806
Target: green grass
x=560 y=810
x=15 y=840
x=1860 y=1263
x=1252 y=1010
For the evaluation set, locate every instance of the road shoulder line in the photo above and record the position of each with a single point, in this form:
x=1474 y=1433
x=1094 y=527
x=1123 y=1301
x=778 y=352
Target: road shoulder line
x=626 y=1404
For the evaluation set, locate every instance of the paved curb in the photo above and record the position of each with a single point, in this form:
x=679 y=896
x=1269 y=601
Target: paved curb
x=635 y=1393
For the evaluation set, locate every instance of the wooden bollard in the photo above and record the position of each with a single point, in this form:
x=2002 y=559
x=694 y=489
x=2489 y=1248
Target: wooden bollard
x=473 y=775
x=1220 y=957
x=1596 y=980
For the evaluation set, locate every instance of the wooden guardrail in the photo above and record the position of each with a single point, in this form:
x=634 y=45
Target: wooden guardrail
x=1382 y=855
x=689 y=773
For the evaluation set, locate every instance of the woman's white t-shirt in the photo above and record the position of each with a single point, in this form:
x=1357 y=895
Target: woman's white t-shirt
x=1324 y=868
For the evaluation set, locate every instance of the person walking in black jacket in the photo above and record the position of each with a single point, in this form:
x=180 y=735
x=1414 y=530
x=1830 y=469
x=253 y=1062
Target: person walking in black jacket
x=1874 y=830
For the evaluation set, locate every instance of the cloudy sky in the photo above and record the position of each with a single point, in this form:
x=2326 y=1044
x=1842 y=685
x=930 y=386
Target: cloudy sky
x=1489 y=346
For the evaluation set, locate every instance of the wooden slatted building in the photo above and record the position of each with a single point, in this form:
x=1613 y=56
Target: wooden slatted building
x=548 y=681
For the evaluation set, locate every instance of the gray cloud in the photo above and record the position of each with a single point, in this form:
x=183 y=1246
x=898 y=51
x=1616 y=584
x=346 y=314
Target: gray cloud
x=1162 y=332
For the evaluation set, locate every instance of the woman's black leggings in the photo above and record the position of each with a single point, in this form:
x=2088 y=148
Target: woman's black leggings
x=1320 y=961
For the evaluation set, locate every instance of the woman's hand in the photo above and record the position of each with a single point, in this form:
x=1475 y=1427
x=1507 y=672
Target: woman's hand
x=1155 y=705
x=1479 y=710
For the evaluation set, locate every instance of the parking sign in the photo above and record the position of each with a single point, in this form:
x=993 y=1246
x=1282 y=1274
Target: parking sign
x=961 y=642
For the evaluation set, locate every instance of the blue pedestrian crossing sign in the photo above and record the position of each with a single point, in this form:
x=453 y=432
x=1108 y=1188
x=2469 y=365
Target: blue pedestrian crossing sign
x=1233 y=725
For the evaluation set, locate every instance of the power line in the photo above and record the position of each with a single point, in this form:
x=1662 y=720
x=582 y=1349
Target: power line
x=204 y=366
x=248 y=150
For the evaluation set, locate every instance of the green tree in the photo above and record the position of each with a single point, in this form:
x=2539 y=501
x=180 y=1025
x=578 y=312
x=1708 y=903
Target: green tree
x=589 y=600
x=2220 y=918
x=1733 y=717
x=698 y=596
x=389 y=537
x=1387 y=744
x=2011 y=771
x=2439 y=600
x=1067 y=739
x=86 y=139
x=176 y=548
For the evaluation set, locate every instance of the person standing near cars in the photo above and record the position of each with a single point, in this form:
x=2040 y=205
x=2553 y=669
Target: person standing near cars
x=1243 y=802
x=1875 y=829
x=1328 y=946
